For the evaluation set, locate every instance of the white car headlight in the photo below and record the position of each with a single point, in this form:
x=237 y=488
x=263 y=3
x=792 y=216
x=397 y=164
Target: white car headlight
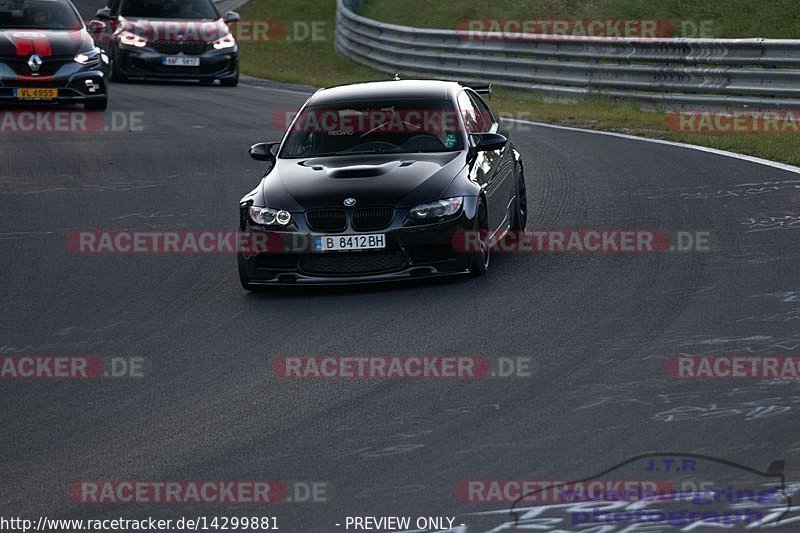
x=131 y=39
x=224 y=42
x=89 y=57
x=440 y=209
x=265 y=216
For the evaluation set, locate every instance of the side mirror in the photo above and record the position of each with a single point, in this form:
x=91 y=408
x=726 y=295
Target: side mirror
x=264 y=151
x=486 y=142
x=103 y=14
x=96 y=27
x=232 y=16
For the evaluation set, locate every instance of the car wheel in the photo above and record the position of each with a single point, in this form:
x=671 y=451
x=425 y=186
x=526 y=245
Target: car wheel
x=245 y=279
x=521 y=205
x=96 y=105
x=116 y=74
x=481 y=257
x=232 y=82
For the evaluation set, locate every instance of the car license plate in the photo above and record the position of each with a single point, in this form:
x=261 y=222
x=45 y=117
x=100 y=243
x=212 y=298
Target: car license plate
x=331 y=243
x=35 y=94
x=179 y=61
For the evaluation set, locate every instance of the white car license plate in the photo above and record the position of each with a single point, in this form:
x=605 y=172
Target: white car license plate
x=179 y=61
x=331 y=243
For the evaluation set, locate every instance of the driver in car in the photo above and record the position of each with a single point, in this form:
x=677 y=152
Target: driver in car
x=186 y=10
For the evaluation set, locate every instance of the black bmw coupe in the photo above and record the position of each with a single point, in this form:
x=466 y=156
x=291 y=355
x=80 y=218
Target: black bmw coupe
x=376 y=181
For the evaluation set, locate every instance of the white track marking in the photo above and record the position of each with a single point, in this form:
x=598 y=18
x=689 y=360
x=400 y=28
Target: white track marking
x=742 y=157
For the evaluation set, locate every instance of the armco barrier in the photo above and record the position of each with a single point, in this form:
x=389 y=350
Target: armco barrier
x=707 y=72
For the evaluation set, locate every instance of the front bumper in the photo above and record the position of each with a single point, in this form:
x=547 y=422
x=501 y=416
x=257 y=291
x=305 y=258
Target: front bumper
x=148 y=63
x=298 y=279
x=412 y=252
x=76 y=84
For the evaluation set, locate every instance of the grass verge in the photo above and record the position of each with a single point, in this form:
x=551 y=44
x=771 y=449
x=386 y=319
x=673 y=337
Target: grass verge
x=302 y=50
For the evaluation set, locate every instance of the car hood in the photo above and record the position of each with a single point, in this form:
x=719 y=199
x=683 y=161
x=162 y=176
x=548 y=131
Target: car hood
x=175 y=30
x=45 y=43
x=372 y=180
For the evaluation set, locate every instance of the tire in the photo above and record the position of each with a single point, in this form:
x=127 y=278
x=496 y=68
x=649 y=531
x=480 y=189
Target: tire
x=244 y=279
x=96 y=105
x=116 y=75
x=246 y=285
x=481 y=258
x=232 y=82
x=520 y=220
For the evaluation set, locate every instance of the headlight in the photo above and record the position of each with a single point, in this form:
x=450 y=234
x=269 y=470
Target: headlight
x=88 y=57
x=224 y=42
x=131 y=39
x=440 y=209
x=265 y=216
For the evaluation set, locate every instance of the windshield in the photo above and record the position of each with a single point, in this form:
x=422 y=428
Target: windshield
x=377 y=127
x=170 y=9
x=38 y=15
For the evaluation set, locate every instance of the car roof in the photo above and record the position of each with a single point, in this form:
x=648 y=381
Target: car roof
x=399 y=89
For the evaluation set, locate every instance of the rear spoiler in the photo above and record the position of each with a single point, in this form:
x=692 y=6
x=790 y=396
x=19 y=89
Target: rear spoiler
x=481 y=89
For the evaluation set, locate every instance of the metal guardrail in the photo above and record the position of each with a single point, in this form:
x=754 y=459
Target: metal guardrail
x=709 y=72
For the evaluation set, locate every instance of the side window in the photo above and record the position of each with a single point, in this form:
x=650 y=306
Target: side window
x=468 y=112
x=483 y=114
